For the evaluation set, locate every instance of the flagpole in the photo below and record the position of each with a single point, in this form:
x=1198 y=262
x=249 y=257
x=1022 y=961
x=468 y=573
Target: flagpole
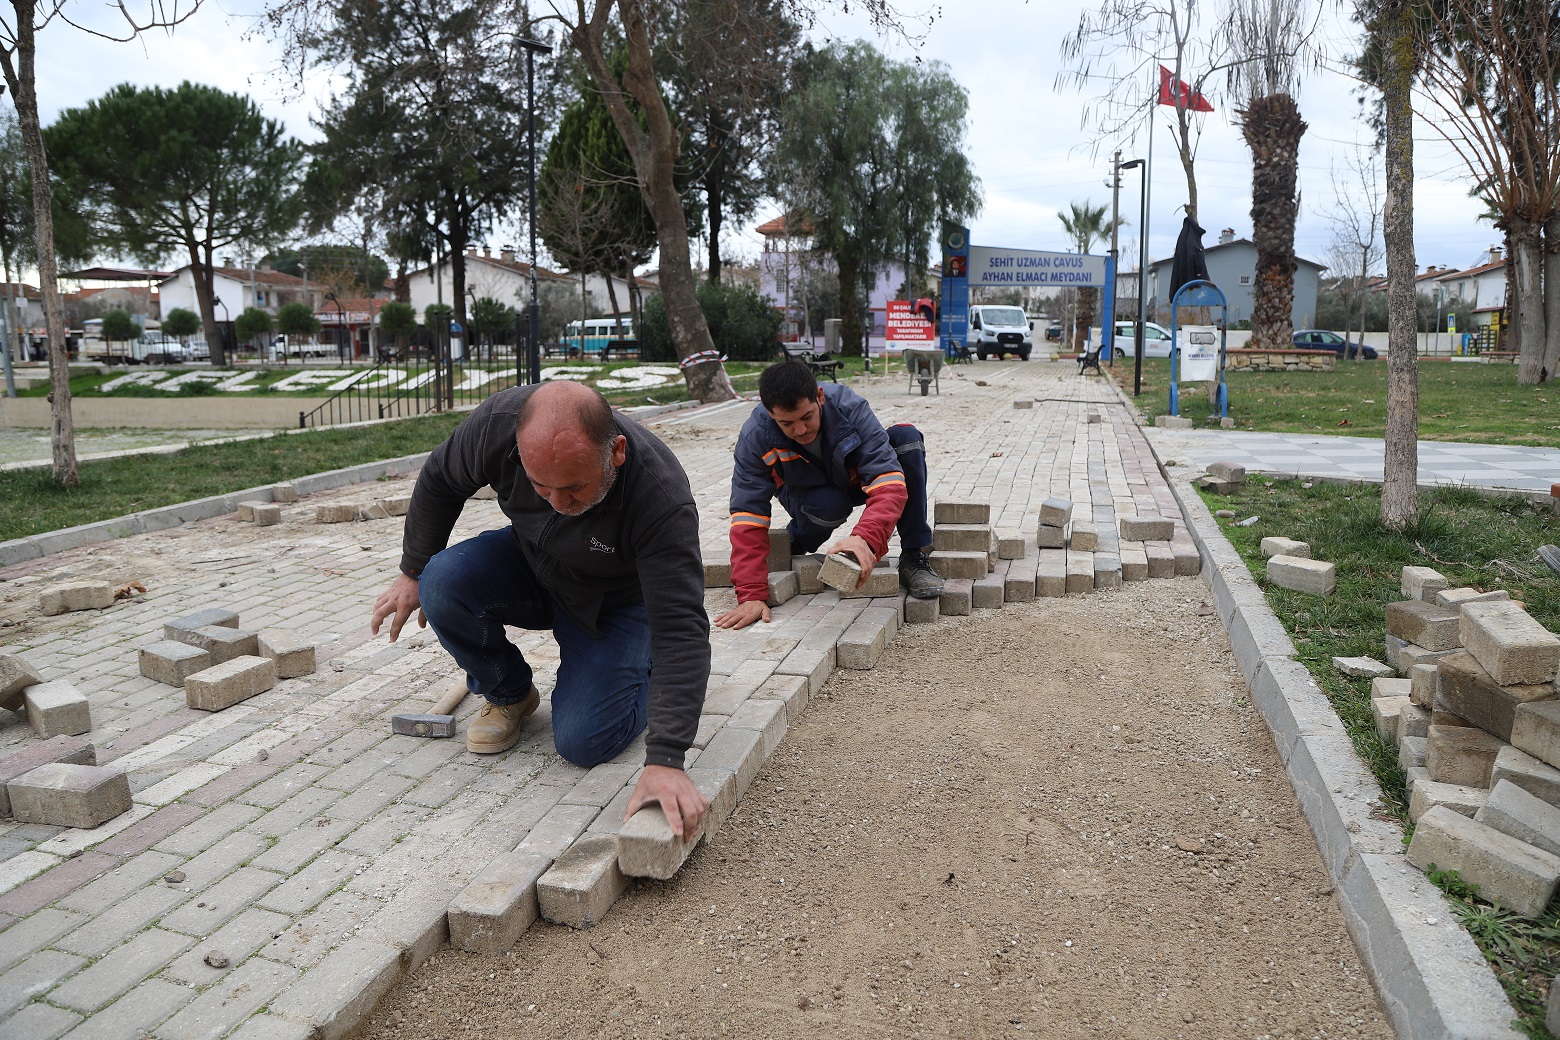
x=1142 y=315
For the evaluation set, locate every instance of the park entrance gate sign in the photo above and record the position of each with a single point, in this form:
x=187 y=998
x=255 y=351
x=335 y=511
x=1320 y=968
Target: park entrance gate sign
x=966 y=267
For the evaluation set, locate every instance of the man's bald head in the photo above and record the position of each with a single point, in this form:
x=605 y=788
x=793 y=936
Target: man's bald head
x=569 y=446
x=564 y=407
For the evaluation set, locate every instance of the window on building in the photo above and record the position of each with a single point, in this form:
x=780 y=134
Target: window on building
x=1245 y=279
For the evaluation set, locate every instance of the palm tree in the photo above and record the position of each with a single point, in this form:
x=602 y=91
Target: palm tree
x=1272 y=32
x=1085 y=225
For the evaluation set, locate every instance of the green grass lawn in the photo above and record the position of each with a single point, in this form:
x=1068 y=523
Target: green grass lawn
x=1473 y=540
x=1457 y=401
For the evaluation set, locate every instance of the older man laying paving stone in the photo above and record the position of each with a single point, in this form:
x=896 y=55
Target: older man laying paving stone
x=823 y=452
x=602 y=548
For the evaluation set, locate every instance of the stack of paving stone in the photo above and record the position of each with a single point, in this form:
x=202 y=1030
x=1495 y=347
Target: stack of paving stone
x=1477 y=726
x=59 y=783
x=965 y=554
x=1223 y=478
x=378 y=509
x=1289 y=566
x=52 y=708
x=219 y=664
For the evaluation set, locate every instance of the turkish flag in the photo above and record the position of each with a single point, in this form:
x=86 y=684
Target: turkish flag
x=1173 y=91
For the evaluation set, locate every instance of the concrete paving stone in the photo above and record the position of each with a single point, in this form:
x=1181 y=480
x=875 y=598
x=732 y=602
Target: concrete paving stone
x=383 y=831
x=1134 y=563
x=1455 y=598
x=337 y=995
x=601 y=784
x=415 y=921
x=918 y=612
x=717 y=574
x=336 y=512
x=766 y=717
x=219 y=860
x=492 y=912
x=1410 y=655
x=238 y=938
x=1429 y=793
x=1055 y=512
x=38 y=1022
x=790 y=690
x=1422 y=583
x=56 y=710
x=1050 y=572
x=1467 y=690
x=610 y=819
x=221 y=616
x=1424 y=624
x=1080 y=571
x=1390 y=686
x=171 y=662
x=783 y=586
x=371 y=797
x=68 y=749
x=582 y=884
x=1361 y=667
x=647 y=847
x=807 y=567
x=957 y=598
x=16 y=675
x=122 y=920
x=1513 y=811
x=1161 y=559
x=1520 y=768
x=990 y=592
x=737 y=751
x=1315 y=577
x=1146 y=528
x=1461 y=755
x=726 y=696
x=1010 y=546
x=814 y=663
x=961 y=513
x=949 y=564
x=779 y=548
x=56 y=880
x=1506 y=640
x=313 y=935
x=1277 y=546
x=1424 y=682
x=32 y=933
x=426 y=757
x=116 y=886
x=448 y=781
x=221 y=642
x=1107 y=570
x=313 y=883
x=1412 y=752
x=121 y=970
x=861 y=644
x=1188 y=560
x=1049 y=537
x=839 y=572
x=1387 y=713
x=294 y=655
x=133 y=1015
x=69 y=596
x=962 y=537
x=34 y=975
x=1519 y=876
x=1413 y=721
x=297 y=811
x=266 y=514
x=289 y=852
x=60 y=794
x=224 y=685
x=1021 y=580
x=556 y=831
x=272 y=1027
x=229 y=1002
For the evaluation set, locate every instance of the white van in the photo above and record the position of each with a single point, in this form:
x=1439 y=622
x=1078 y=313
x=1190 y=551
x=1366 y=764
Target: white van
x=999 y=330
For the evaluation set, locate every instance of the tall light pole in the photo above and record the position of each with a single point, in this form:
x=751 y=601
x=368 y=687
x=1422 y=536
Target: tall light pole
x=1142 y=314
x=534 y=325
x=1108 y=336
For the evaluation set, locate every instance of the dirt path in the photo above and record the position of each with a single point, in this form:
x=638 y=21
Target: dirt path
x=1050 y=820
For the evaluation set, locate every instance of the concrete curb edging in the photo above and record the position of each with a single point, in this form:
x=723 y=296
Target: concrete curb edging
x=36 y=546
x=1432 y=980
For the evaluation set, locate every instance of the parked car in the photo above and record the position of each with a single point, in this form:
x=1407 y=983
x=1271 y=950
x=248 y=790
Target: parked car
x=1320 y=339
x=1053 y=332
x=999 y=331
x=1156 y=340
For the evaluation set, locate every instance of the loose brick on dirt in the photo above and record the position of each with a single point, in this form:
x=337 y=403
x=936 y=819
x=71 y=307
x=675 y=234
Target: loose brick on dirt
x=57 y=709
x=75 y=595
x=648 y=848
x=1085 y=536
x=1080 y=571
x=61 y=794
x=717 y=574
x=1513 y=872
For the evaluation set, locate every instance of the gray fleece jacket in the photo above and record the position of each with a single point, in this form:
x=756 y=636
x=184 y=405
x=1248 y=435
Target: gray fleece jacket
x=640 y=544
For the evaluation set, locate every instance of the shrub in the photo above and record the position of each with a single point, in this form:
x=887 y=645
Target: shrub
x=744 y=325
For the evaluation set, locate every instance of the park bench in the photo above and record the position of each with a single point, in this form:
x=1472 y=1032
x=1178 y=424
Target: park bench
x=821 y=364
x=1089 y=360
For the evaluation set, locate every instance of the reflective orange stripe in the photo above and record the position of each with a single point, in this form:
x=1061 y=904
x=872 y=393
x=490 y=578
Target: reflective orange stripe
x=750 y=519
x=774 y=455
x=888 y=478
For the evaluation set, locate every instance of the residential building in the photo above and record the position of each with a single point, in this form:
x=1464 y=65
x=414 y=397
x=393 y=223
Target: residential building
x=506 y=278
x=1482 y=288
x=234 y=289
x=1232 y=266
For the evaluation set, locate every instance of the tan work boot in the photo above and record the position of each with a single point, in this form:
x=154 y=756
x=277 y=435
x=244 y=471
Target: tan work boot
x=497 y=726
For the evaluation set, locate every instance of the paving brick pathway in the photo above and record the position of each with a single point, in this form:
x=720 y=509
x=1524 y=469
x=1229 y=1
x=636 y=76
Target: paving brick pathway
x=287 y=859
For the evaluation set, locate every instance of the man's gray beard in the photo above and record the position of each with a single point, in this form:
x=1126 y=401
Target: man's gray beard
x=609 y=474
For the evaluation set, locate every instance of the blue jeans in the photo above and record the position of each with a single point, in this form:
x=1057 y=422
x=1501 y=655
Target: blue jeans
x=472 y=589
x=817 y=511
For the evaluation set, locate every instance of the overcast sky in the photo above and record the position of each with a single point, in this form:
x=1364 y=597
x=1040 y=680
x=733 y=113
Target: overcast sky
x=1027 y=141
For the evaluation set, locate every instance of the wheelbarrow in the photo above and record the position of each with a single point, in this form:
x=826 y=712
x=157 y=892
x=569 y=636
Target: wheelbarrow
x=924 y=365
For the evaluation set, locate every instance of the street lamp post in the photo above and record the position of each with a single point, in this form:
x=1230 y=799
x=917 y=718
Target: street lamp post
x=534 y=330
x=1142 y=314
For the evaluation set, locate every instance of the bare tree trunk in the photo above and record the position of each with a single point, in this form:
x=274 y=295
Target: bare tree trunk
x=851 y=339
x=617 y=315
x=653 y=148
x=1527 y=241
x=1551 y=295
x=21 y=79
x=1400 y=467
